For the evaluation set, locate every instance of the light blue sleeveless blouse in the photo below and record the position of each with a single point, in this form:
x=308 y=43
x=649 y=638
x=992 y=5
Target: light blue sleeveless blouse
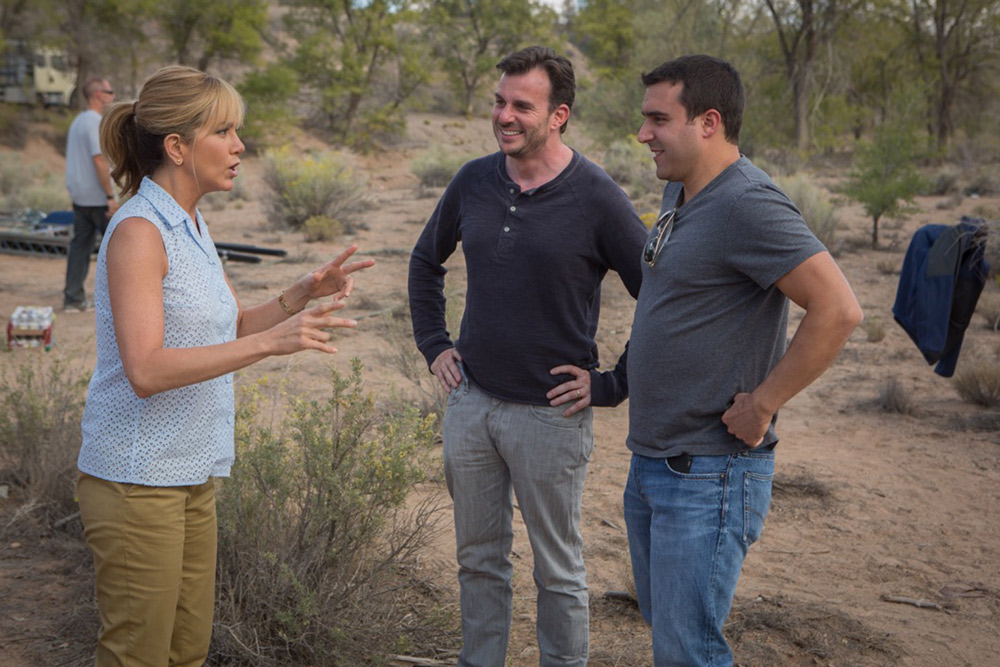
x=185 y=435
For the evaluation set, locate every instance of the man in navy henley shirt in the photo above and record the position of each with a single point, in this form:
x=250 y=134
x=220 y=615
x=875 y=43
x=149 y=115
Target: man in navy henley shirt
x=540 y=226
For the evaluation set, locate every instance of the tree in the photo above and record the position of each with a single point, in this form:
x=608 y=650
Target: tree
x=355 y=52
x=471 y=36
x=803 y=28
x=201 y=32
x=884 y=177
x=954 y=40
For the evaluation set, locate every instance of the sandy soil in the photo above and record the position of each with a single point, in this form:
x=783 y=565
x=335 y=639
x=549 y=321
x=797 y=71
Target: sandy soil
x=868 y=504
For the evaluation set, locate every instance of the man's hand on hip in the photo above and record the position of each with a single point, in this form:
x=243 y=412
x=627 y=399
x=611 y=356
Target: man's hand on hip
x=445 y=367
x=576 y=390
x=746 y=421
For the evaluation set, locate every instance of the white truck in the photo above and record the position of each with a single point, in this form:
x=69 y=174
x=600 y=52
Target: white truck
x=34 y=74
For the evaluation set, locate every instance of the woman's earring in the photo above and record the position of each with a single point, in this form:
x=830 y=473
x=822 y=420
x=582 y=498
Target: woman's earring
x=179 y=161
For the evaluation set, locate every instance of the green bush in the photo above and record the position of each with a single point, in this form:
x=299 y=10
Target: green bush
x=315 y=538
x=41 y=405
x=322 y=228
x=630 y=164
x=436 y=166
x=322 y=183
x=269 y=115
x=815 y=206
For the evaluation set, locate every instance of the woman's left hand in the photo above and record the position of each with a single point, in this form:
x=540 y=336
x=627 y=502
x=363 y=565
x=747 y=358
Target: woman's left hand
x=334 y=278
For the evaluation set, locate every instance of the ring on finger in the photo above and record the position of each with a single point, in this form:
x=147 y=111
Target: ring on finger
x=578 y=394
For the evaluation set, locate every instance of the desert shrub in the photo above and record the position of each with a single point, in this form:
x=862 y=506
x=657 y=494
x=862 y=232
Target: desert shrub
x=27 y=186
x=989 y=307
x=316 y=542
x=320 y=183
x=894 y=397
x=14 y=177
x=888 y=267
x=41 y=404
x=944 y=181
x=322 y=228
x=14 y=126
x=815 y=206
x=985 y=181
x=874 y=329
x=979 y=383
x=396 y=328
x=629 y=163
x=436 y=166
x=45 y=196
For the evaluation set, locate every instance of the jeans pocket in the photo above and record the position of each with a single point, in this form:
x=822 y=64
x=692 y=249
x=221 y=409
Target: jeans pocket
x=553 y=416
x=756 y=502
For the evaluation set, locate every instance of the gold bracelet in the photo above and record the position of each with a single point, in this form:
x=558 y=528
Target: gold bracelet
x=284 y=305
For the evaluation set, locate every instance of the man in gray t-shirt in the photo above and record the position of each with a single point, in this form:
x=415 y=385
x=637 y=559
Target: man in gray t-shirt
x=88 y=180
x=708 y=366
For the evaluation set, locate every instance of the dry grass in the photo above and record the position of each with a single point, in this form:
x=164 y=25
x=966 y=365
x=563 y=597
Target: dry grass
x=979 y=383
x=874 y=329
x=894 y=397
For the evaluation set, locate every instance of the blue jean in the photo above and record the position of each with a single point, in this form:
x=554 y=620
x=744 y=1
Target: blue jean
x=492 y=446
x=87 y=221
x=688 y=535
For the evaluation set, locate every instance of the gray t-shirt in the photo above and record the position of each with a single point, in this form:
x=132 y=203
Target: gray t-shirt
x=709 y=322
x=82 y=144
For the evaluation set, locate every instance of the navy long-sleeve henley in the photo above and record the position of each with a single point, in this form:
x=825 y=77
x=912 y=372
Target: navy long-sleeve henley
x=534 y=260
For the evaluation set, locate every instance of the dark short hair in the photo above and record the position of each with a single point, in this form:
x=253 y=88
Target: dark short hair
x=709 y=83
x=558 y=68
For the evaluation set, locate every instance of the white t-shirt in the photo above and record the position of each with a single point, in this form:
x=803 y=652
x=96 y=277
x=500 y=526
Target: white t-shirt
x=82 y=144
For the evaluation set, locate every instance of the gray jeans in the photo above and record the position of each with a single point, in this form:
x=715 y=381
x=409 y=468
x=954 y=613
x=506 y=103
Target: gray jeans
x=490 y=447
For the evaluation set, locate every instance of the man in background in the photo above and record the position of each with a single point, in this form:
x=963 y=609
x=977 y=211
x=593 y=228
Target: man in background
x=708 y=366
x=540 y=226
x=88 y=179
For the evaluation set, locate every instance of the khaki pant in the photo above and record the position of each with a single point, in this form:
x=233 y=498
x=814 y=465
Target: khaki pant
x=154 y=555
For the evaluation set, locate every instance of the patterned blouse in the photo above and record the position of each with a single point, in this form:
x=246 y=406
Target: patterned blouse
x=182 y=436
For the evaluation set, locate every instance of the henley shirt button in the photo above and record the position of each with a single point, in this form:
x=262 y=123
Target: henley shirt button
x=511 y=191
x=513 y=208
x=506 y=229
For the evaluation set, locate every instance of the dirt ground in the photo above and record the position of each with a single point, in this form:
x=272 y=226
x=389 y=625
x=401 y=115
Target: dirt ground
x=870 y=505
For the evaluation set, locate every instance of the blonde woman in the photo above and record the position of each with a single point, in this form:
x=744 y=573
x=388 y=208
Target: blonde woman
x=158 y=425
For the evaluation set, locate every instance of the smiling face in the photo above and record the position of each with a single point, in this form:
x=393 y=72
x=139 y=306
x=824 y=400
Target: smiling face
x=215 y=156
x=522 y=121
x=670 y=135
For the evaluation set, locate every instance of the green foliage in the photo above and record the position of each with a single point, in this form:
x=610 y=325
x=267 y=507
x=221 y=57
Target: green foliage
x=322 y=228
x=884 y=177
x=358 y=61
x=202 y=32
x=41 y=404
x=435 y=167
x=470 y=38
x=629 y=163
x=314 y=533
x=320 y=183
x=815 y=206
x=24 y=186
x=267 y=92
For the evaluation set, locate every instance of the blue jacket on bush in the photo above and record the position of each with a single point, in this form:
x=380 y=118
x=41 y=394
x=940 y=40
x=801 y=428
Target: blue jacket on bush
x=942 y=277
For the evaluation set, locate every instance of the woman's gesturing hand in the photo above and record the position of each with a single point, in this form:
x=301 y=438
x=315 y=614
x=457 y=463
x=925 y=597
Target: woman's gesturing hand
x=308 y=330
x=334 y=278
